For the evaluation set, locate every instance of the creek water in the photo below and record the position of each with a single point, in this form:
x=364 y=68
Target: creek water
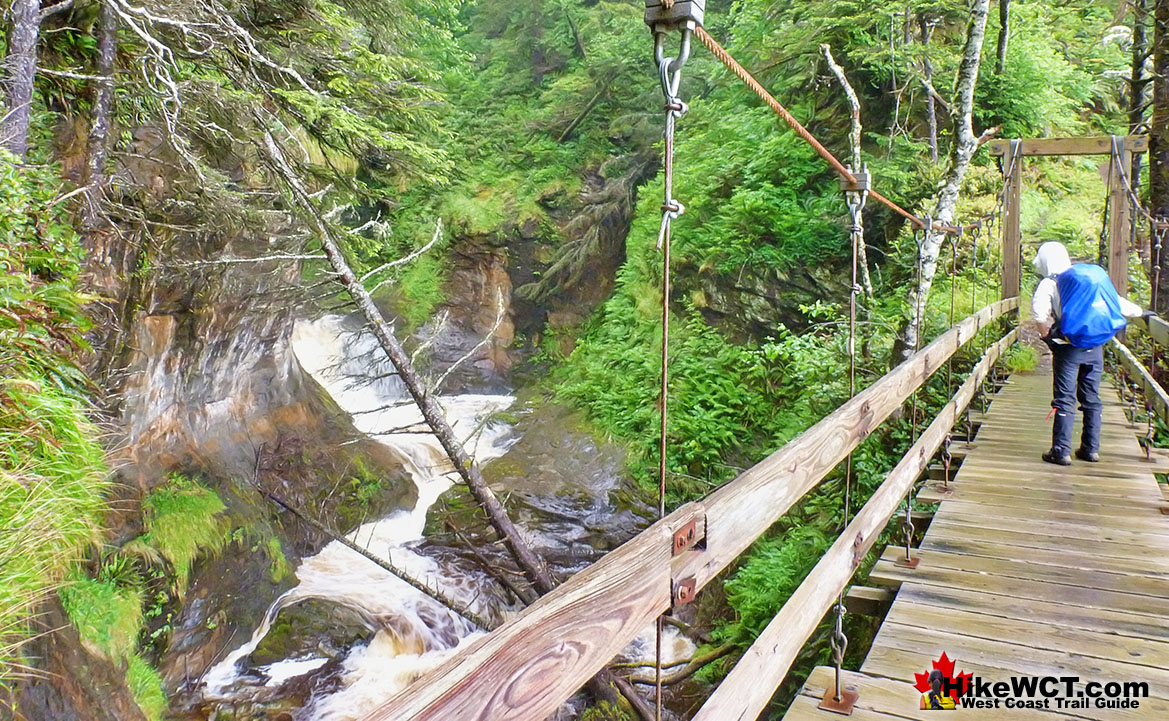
x=414 y=632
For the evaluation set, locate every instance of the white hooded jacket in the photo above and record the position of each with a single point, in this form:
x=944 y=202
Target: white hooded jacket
x=1051 y=260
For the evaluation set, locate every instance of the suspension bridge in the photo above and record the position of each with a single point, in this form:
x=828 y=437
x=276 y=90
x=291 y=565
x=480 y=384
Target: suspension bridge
x=1023 y=570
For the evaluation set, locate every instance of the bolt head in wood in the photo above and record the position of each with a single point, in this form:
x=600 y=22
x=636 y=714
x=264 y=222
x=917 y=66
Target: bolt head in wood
x=843 y=706
x=685 y=537
x=685 y=591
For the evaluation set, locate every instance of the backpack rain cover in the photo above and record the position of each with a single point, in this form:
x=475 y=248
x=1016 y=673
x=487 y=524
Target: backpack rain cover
x=1089 y=306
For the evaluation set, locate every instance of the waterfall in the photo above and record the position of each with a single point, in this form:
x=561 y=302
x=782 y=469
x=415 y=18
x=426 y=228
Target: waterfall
x=417 y=633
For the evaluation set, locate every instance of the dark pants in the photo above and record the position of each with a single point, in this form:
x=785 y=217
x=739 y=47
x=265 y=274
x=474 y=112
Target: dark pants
x=1077 y=377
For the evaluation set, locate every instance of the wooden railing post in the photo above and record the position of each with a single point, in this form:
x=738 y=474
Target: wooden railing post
x=1119 y=228
x=1012 y=233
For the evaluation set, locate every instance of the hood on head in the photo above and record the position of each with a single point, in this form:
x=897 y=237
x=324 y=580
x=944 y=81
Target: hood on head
x=1051 y=259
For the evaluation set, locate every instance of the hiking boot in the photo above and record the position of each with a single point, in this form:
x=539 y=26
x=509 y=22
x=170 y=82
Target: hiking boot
x=1059 y=460
x=1088 y=456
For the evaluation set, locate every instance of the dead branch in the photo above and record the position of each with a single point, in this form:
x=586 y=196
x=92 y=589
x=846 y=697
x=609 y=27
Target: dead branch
x=855 y=144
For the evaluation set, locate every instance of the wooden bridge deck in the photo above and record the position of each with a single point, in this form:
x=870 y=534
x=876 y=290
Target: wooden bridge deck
x=1027 y=569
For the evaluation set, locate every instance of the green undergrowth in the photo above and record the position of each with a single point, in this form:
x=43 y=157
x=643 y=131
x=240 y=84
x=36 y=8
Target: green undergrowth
x=52 y=471
x=109 y=615
x=183 y=521
x=123 y=612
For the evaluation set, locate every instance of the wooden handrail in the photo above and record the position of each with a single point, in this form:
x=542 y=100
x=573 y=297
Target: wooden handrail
x=1154 y=393
x=530 y=665
x=1158 y=330
x=746 y=691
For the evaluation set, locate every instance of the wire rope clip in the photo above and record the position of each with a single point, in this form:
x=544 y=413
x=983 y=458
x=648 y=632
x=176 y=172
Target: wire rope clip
x=843 y=705
x=664 y=15
x=863 y=183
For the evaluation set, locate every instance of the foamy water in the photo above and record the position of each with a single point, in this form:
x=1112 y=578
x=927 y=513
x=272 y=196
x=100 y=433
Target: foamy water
x=417 y=634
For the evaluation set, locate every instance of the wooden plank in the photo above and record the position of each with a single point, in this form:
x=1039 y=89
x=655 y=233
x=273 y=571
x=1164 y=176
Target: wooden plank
x=887 y=574
x=1140 y=585
x=1049 y=636
x=1119 y=219
x=949 y=512
x=1012 y=249
x=748 y=688
x=950 y=527
x=1099 y=145
x=1040 y=500
x=1151 y=565
x=1116 y=623
x=1147 y=524
x=529 y=666
x=867 y=601
x=1153 y=392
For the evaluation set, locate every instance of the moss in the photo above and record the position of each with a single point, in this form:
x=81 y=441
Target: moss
x=183 y=520
x=146 y=686
x=107 y=616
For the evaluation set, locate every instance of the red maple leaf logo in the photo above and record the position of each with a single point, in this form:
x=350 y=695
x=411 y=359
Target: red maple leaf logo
x=960 y=683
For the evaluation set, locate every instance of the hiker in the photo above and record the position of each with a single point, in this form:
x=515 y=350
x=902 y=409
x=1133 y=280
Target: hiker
x=1077 y=310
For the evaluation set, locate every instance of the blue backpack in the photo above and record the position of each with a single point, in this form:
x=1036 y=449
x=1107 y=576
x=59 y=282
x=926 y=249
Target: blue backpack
x=1089 y=306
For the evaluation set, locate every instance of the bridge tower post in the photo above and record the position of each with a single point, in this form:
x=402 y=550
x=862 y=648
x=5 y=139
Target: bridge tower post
x=1012 y=234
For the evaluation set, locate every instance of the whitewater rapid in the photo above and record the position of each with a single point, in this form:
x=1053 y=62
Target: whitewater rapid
x=417 y=634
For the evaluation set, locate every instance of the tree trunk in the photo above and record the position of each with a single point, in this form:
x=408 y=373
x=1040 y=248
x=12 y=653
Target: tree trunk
x=965 y=144
x=21 y=69
x=1136 y=106
x=102 y=110
x=1159 y=131
x=1004 y=36
x=928 y=71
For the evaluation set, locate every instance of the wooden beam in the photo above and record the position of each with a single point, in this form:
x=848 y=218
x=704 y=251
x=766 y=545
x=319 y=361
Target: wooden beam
x=529 y=666
x=748 y=688
x=1153 y=392
x=1158 y=329
x=1012 y=234
x=1099 y=145
x=1119 y=228
x=868 y=601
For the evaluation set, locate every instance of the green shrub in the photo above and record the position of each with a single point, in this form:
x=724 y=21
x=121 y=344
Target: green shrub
x=1021 y=358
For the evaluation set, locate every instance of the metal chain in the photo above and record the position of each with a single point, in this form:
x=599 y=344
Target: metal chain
x=1158 y=238
x=975 y=234
x=670 y=77
x=919 y=240
x=954 y=241
x=855 y=196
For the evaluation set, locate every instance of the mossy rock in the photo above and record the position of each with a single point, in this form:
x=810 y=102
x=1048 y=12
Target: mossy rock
x=314 y=627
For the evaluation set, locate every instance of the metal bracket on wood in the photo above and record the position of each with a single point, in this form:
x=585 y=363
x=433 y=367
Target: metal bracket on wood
x=686 y=536
x=684 y=591
x=910 y=562
x=844 y=705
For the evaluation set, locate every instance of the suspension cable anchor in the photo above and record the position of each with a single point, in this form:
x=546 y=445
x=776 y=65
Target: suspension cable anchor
x=863 y=183
x=665 y=15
